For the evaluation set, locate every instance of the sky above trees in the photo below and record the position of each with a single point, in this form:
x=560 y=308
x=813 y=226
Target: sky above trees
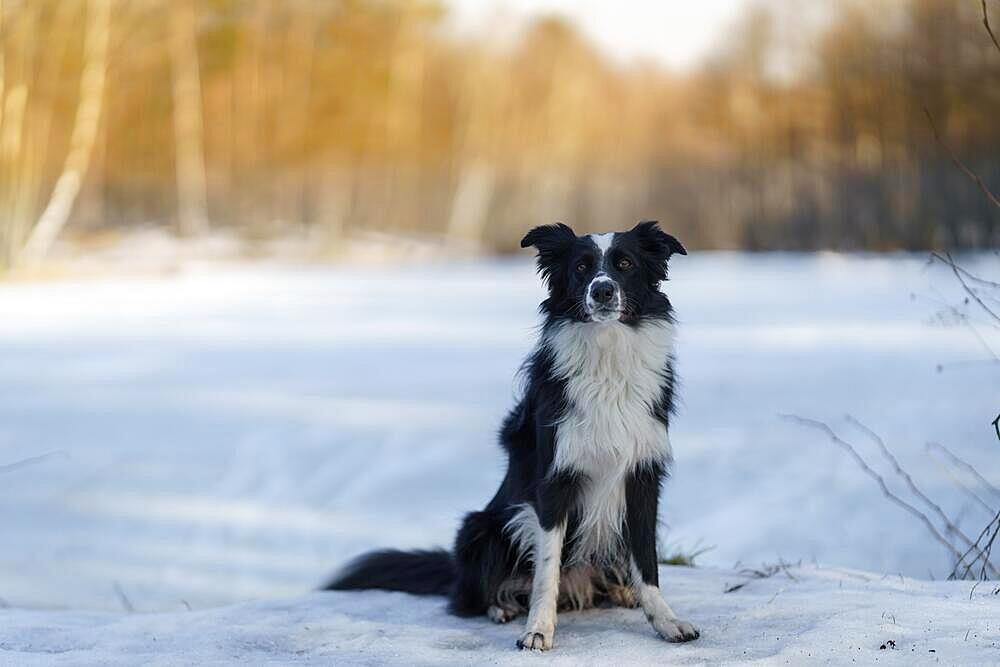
x=675 y=34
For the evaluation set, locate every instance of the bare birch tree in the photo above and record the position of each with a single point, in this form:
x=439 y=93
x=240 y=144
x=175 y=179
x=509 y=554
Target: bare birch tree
x=13 y=102
x=88 y=115
x=27 y=137
x=474 y=191
x=189 y=155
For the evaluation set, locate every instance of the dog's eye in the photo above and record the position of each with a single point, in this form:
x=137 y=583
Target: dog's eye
x=581 y=267
x=624 y=264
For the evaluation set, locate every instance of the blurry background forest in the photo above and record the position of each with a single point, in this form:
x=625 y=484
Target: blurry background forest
x=322 y=120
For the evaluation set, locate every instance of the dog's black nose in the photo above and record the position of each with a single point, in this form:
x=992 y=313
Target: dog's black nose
x=603 y=292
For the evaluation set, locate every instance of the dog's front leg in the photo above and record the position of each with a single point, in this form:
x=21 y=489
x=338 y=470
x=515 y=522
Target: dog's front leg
x=642 y=492
x=557 y=494
x=544 y=588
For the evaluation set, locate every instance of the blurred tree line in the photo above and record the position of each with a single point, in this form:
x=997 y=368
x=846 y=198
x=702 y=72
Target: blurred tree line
x=331 y=117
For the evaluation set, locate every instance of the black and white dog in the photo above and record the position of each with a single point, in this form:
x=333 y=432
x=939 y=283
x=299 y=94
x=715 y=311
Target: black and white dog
x=573 y=524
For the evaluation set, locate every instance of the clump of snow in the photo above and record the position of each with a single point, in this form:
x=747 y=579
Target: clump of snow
x=802 y=615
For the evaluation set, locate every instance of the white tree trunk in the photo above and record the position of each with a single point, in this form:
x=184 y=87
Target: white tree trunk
x=88 y=115
x=3 y=65
x=470 y=205
x=189 y=156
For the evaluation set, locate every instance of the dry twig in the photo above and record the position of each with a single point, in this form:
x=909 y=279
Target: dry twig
x=24 y=463
x=959 y=463
x=984 y=553
x=986 y=24
x=123 y=598
x=988 y=549
x=961 y=165
x=948 y=260
x=960 y=558
x=969 y=492
x=948 y=523
x=766 y=571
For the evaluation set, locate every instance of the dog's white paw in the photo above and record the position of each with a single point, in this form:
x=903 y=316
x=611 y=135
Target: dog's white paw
x=536 y=640
x=675 y=630
x=498 y=614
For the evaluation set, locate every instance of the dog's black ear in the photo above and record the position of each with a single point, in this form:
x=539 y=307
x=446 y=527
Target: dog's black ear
x=552 y=242
x=657 y=242
x=548 y=238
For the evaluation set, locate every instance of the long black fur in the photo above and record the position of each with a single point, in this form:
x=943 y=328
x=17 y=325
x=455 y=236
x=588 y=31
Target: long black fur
x=483 y=556
x=642 y=498
x=427 y=572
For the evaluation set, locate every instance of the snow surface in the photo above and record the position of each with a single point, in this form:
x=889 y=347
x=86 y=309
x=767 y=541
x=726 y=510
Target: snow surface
x=807 y=616
x=229 y=434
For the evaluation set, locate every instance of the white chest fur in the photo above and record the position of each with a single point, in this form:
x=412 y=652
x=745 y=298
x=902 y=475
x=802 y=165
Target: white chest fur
x=614 y=376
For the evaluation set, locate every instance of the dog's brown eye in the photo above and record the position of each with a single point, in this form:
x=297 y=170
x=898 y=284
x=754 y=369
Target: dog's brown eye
x=624 y=264
x=581 y=267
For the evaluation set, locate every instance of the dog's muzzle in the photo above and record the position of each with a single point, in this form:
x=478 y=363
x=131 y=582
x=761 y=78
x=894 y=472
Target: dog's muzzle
x=604 y=299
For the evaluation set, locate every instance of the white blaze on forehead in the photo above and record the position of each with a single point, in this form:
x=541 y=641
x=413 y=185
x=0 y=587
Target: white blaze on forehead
x=603 y=242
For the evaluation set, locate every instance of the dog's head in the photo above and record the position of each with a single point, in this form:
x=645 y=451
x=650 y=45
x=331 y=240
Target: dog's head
x=604 y=277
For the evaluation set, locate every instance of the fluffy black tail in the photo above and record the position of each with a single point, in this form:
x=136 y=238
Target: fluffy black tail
x=419 y=572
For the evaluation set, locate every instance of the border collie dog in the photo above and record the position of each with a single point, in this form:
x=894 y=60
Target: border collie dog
x=573 y=524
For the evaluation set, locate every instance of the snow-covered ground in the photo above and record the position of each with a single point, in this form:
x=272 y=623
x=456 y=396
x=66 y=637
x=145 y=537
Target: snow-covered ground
x=807 y=616
x=222 y=435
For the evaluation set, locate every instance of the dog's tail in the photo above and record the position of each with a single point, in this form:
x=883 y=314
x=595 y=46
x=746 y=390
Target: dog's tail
x=429 y=572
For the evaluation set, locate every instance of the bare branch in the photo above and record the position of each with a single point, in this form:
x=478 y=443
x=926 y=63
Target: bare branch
x=983 y=552
x=846 y=446
x=964 y=561
x=989 y=548
x=123 y=598
x=948 y=523
x=969 y=492
x=947 y=259
x=967 y=320
x=974 y=278
x=764 y=572
x=961 y=165
x=24 y=463
x=959 y=463
x=986 y=23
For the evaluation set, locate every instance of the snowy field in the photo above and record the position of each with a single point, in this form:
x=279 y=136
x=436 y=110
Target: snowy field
x=232 y=434
x=821 y=616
